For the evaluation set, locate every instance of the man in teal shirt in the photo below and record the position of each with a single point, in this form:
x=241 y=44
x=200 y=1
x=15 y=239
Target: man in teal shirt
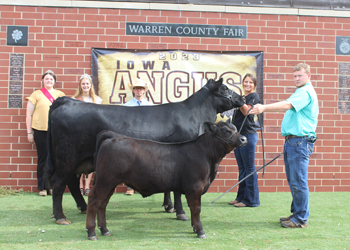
x=298 y=127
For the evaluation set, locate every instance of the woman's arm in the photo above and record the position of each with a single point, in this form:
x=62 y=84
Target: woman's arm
x=29 y=115
x=244 y=109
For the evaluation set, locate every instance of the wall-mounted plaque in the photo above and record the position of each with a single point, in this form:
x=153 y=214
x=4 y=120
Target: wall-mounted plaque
x=17 y=36
x=16 y=60
x=344 y=95
x=185 y=30
x=15 y=87
x=16 y=74
x=344 y=81
x=15 y=101
x=16 y=80
x=342 y=45
x=344 y=107
x=344 y=68
x=344 y=88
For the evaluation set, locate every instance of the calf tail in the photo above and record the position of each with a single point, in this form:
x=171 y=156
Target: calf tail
x=101 y=137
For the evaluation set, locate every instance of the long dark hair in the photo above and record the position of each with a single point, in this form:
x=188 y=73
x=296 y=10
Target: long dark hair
x=251 y=76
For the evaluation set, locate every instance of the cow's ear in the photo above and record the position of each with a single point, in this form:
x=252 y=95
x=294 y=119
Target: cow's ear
x=214 y=85
x=217 y=84
x=209 y=126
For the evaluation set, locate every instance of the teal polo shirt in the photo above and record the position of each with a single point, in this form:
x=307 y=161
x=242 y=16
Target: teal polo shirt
x=302 y=118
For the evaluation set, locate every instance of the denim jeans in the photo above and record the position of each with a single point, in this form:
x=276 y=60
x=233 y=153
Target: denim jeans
x=248 y=190
x=296 y=159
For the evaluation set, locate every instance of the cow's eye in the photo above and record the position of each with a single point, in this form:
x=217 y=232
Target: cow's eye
x=228 y=132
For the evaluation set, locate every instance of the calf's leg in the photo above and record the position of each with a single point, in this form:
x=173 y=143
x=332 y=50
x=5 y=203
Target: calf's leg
x=194 y=202
x=97 y=203
x=101 y=215
x=92 y=208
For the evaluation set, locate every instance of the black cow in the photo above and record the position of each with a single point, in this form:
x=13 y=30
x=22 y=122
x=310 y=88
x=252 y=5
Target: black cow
x=152 y=167
x=74 y=125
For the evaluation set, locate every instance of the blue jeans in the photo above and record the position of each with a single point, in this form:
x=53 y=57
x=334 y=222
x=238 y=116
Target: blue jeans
x=296 y=159
x=248 y=190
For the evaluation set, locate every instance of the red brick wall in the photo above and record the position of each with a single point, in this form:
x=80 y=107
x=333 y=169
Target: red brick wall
x=61 y=39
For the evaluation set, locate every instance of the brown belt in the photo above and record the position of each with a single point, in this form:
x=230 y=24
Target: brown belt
x=293 y=136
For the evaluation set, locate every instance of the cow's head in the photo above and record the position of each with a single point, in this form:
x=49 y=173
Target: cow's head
x=227 y=133
x=226 y=98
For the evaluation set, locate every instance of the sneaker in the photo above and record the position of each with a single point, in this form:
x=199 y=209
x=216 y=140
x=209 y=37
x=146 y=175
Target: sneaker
x=43 y=193
x=129 y=191
x=49 y=192
x=286 y=218
x=291 y=224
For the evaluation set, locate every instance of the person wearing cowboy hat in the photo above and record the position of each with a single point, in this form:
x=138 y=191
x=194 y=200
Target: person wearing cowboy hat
x=138 y=91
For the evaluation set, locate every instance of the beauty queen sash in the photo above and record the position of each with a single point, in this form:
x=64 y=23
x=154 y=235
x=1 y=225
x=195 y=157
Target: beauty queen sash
x=47 y=94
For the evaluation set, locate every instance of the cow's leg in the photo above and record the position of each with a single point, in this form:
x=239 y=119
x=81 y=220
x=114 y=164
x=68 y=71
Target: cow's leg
x=73 y=186
x=194 y=202
x=168 y=205
x=101 y=215
x=92 y=208
x=180 y=213
x=58 y=188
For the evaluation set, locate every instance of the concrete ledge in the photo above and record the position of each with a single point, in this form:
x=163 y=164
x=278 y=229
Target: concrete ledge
x=261 y=10
x=177 y=7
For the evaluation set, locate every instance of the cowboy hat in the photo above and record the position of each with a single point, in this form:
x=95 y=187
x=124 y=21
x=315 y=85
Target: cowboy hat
x=138 y=83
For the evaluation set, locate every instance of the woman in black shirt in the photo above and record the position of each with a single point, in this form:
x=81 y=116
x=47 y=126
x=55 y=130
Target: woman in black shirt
x=248 y=191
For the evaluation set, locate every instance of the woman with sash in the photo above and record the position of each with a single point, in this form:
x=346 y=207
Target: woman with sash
x=86 y=93
x=38 y=107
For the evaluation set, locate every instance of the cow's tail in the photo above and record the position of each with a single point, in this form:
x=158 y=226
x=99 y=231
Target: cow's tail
x=101 y=137
x=49 y=169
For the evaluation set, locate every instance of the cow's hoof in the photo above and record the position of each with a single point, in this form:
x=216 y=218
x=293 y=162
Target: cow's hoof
x=63 y=221
x=52 y=216
x=80 y=209
x=107 y=233
x=182 y=217
x=92 y=237
x=202 y=236
x=169 y=209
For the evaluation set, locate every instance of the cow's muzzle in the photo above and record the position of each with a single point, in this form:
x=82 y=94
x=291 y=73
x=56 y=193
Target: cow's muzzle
x=243 y=141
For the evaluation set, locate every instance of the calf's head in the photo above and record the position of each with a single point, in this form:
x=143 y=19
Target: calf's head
x=227 y=133
x=226 y=99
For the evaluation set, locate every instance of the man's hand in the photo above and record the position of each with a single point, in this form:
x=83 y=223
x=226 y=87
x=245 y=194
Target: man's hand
x=257 y=109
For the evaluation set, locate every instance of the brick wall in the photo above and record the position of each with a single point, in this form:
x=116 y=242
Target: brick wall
x=61 y=38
